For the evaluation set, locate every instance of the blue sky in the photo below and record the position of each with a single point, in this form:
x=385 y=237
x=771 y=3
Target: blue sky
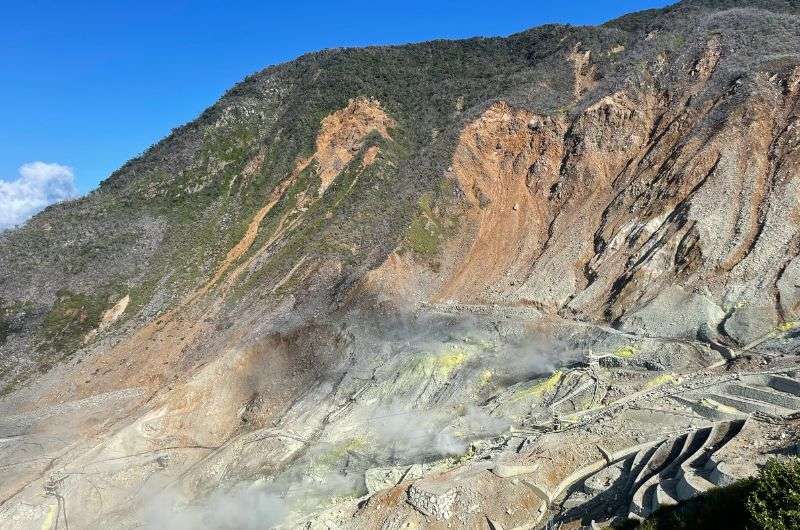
x=90 y=86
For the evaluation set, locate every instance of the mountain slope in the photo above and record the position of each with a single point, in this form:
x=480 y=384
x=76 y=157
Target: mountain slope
x=341 y=237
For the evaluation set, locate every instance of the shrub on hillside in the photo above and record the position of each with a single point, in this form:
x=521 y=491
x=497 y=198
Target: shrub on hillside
x=774 y=503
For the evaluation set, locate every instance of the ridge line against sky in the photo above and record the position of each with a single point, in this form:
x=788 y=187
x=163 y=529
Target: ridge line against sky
x=88 y=87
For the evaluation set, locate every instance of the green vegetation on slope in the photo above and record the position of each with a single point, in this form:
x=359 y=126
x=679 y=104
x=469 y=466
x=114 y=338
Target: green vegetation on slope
x=72 y=317
x=774 y=503
x=426 y=230
x=5 y=322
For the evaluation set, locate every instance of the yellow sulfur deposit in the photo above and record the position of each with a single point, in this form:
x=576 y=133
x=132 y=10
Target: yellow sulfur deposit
x=625 y=352
x=660 y=380
x=539 y=389
x=451 y=358
x=341 y=450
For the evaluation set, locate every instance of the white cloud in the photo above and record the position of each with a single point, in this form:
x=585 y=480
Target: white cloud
x=39 y=185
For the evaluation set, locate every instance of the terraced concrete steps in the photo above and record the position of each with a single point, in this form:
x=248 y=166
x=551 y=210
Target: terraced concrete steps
x=765 y=394
x=721 y=434
x=639 y=463
x=661 y=473
x=677 y=476
x=773 y=394
x=663 y=454
x=644 y=498
x=692 y=483
x=748 y=405
x=711 y=409
x=681 y=467
x=720 y=474
x=666 y=472
x=665 y=494
x=784 y=384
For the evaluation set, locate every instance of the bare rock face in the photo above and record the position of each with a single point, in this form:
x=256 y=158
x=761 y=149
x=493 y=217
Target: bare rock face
x=630 y=198
x=342 y=135
x=475 y=283
x=747 y=324
x=675 y=313
x=377 y=479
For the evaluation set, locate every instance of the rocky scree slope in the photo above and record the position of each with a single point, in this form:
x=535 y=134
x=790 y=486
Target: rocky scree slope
x=641 y=176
